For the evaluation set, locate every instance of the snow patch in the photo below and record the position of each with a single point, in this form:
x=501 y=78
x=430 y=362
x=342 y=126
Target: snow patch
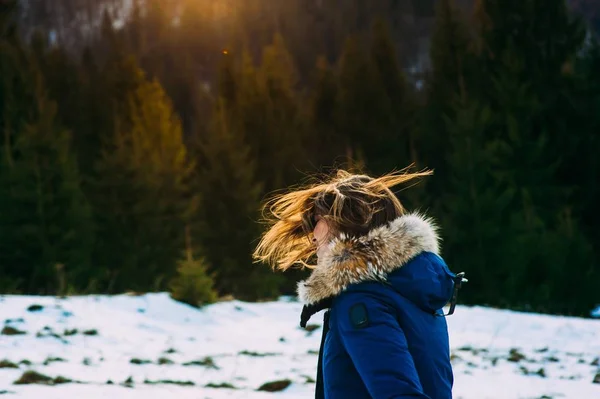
x=149 y=346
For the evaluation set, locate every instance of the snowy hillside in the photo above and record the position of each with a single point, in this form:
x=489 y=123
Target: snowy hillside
x=152 y=347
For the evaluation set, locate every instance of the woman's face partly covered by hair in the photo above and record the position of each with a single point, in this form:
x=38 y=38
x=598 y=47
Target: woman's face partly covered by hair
x=303 y=222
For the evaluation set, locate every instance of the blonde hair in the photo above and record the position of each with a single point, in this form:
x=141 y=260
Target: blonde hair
x=351 y=204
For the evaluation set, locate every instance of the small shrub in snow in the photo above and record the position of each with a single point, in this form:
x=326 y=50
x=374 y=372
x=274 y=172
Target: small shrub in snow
x=541 y=372
x=137 y=361
x=7 y=364
x=312 y=327
x=61 y=380
x=275 y=386
x=257 y=354
x=164 y=361
x=33 y=377
x=53 y=359
x=515 y=356
x=9 y=330
x=222 y=385
x=90 y=332
x=182 y=383
x=35 y=308
x=193 y=285
x=128 y=382
x=47 y=332
x=207 y=362
x=596 y=379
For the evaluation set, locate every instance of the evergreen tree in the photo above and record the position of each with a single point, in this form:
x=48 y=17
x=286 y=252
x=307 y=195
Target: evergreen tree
x=193 y=284
x=280 y=151
x=46 y=220
x=143 y=196
x=584 y=165
x=475 y=205
x=20 y=85
x=328 y=143
x=449 y=81
x=396 y=144
x=361 y=101
x=231 y=199
x=524 y=85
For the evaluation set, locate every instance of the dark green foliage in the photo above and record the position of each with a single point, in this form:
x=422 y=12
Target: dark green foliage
x=7 y=364
x=137 y=361
x=474 y=204
x=9 y=330
x=393 y=127
x=143 y=194
x=33 y=377
x=231 y=195
x=171 y=382
x=513 y=223
x=447 y=84
x=48 y=230
x=327 y=141
x=193 y=285
x=207 y=362
x=113 y=147
x=222 y=385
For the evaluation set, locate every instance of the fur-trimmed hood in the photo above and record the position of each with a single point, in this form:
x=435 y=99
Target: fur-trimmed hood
x=369 y=258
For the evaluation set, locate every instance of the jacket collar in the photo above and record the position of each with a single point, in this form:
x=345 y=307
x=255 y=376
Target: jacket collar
x=371 y=257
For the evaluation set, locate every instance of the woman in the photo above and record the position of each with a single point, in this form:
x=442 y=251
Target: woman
x=379 y=272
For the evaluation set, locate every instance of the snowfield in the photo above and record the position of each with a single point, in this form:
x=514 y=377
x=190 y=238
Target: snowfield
x=150 y=346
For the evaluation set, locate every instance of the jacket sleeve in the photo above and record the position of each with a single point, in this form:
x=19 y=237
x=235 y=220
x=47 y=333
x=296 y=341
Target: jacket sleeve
x=377 y=346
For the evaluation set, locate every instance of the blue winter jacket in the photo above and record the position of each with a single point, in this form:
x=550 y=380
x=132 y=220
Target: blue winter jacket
x=386 y=336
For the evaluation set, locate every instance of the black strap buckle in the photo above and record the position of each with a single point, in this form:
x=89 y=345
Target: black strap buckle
x=459 y=280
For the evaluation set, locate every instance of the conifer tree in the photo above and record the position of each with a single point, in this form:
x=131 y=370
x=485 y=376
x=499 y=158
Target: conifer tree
x=361 y=100
x=395 y=146
x=449 y=82
x=584 y=165
x=282 y=152
x=231 y=196
x=46 y=220
x=524 y=85
x=328 y=143
x=143 y=195
x=475 y=205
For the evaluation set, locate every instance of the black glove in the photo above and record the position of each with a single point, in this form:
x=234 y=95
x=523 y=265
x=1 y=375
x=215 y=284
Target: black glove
x=309 y=310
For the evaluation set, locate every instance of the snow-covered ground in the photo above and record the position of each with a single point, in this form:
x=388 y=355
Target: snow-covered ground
x=150 y=346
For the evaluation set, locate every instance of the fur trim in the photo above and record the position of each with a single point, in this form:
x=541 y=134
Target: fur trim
x=369 y=258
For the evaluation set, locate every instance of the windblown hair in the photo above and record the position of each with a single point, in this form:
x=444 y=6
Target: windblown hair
x=351 y=204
